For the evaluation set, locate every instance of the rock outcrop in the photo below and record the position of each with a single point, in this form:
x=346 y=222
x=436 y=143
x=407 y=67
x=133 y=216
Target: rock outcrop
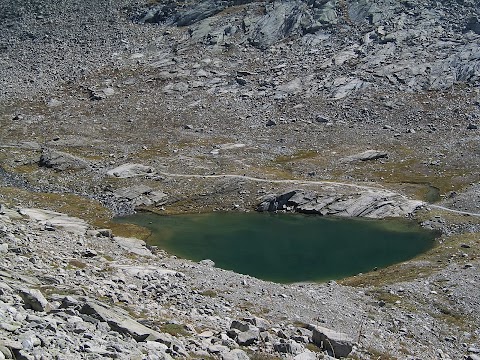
x=52 y=219
x=376 y=31
x=61 y=161
x=371 y=204
x=367 y=155
x=130 y=170
x=337 y=344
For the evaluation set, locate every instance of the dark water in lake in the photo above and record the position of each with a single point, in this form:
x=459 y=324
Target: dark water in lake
x=286 y=248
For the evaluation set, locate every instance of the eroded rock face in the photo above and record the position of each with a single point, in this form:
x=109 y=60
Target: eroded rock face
x=372 y=204
x=375 y=30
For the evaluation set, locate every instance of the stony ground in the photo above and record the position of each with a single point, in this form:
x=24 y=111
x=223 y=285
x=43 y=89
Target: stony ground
x=70 y=292
x=107 y=107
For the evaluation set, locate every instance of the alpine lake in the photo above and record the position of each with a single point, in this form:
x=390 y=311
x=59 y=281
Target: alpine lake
x=286 y=248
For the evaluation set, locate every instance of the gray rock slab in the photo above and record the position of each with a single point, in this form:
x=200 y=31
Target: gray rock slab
x=246 y=338
x=367 y=155
x=288 y=347
x=133 y=245
x=34 y=299
x=55 y=219
x=61 y=161
x=235 y=354
x=5 y=351
x=130 y=170
x=337 y=343
x=240 y=325
x=139 y=270
x=306 y=355
x=260 y=323
x=118 y=320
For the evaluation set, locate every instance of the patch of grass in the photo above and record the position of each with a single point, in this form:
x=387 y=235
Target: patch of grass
x=89 y=210
x=423 y=265
x=174 y=329
x=209 y=293
x=76 y=264
x=265 y=310
x=24 y=168
x=379 y=355
x=60 y=290
x=127 y=230
x=152 y=152
x=246 y=305
x=385 y=296
x=272 y=172
x=313 y=348
x=448 y=216
x=416 y=176
x=299 y=155
x=84 y=152
x=300 y=324
x=453 y=317
x=107 y=257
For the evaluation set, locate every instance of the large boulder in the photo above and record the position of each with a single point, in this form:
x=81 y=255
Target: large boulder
x=244 y=333
x=276 y=202
x=288 y=347
x=61 y=161
x=473 y=24
x=281 y=20
x=306 y=355
x=119 y=321
x=367 y=155
x=235 y=354
x=336 y=343
x=133 y=245
x=34 y=299
x=249 y=337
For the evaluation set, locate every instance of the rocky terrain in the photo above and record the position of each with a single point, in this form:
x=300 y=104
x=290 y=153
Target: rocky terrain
x=346 y=108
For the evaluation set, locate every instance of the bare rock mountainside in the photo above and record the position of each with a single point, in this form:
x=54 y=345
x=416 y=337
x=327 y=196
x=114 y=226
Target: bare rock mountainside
x=367 y=108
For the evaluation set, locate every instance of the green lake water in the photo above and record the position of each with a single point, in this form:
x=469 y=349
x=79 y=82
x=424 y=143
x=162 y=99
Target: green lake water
x=286 y=248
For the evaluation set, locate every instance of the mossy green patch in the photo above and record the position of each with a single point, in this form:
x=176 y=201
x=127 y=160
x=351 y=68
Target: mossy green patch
x=448 y=249
x=209 y=293
x=297 y=156
x=385 y=296
x=174 y=329
x=76 y=264
x=87 y=209
x=73 y=205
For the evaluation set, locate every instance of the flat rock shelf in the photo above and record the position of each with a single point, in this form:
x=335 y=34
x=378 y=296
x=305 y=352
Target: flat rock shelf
x=286 y=248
